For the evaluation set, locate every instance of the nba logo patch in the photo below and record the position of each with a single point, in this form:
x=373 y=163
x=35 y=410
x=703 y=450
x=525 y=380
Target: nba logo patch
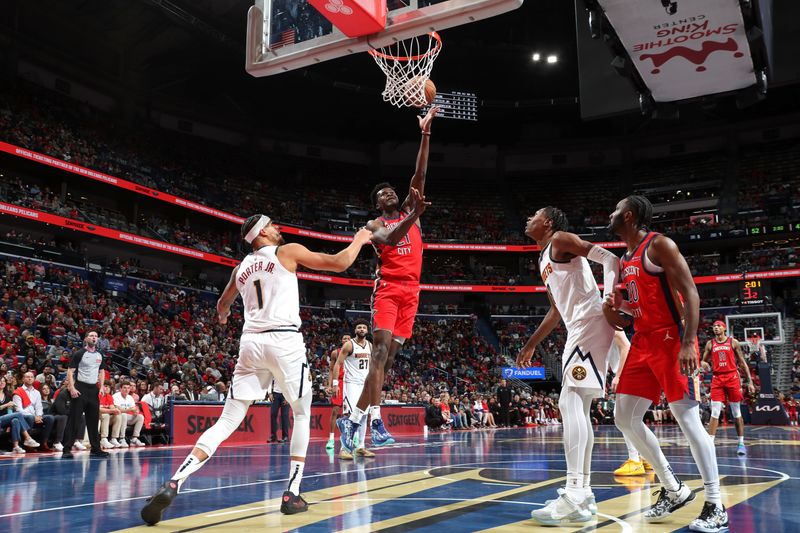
x=578 y=373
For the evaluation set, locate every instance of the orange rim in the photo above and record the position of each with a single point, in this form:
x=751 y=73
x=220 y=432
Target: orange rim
x=438 y=45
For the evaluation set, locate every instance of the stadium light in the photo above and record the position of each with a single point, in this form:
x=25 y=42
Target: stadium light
x=552 y=59
x=536 y=56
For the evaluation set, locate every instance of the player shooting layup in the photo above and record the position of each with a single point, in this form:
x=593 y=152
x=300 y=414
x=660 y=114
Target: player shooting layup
x=397 y=238
x=271 y=347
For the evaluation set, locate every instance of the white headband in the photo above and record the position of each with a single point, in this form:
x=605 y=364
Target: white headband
x=256 y=229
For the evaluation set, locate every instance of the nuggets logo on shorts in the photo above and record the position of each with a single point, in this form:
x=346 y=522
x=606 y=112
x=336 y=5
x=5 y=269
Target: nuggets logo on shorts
x=579 y=373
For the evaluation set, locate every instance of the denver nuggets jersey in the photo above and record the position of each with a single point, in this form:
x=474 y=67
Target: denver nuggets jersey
x=356 y=365
x=573 y=289
x=269 y=292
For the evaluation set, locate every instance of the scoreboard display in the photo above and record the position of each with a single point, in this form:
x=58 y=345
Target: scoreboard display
x=753 y=292
x=458 y=105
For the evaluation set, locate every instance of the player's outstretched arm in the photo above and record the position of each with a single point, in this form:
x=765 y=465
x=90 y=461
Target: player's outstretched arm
x=227 y=298
x=665 y=253
x=737 y=347
x=569 y=243
x=383 y=235
x=421 y=170
x=291 y=255
x=624 y=346
x=551 y=320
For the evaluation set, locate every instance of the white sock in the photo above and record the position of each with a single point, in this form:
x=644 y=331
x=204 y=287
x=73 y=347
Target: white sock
x=687 y=414
x=741 y=440
x=633 y=453
x=628 y=413
x=295 y=476
x=575 y=487
x=587 y=485
x=189 y=466
x=357 y=415
x=330 y=436
x=362 y=435
x=375 y=412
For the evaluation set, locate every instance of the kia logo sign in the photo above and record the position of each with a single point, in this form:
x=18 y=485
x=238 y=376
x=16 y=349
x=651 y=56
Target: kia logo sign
x=767 y=408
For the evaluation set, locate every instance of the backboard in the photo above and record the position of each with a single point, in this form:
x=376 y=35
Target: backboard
x=284 y=35
x=767 y=326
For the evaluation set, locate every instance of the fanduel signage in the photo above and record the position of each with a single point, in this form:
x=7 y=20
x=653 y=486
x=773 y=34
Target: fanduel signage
x=701 y=49
x=536 y=372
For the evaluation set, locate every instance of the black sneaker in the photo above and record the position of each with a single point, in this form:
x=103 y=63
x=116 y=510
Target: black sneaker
x=291 y=504
x=713 y=519
x=66 y=454
x=151 y=512
x=99 y=453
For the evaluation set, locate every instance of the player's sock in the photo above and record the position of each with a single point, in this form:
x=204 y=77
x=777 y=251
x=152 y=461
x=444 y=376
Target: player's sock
x=330 y=436
x=295 y=476
x=189 y=466
x=357 y=415
x=741 y=441
x=375 y=412
x=362 y=435
x=633 y=453
x=628 y=413
x=687 y=414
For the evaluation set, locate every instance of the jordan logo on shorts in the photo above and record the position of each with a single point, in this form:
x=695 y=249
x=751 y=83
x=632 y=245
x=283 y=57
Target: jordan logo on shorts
x=667 y=337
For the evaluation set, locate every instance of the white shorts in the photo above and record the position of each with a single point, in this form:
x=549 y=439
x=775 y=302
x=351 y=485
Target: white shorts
x=352 y=393
x=266 y=356
x=585 y=358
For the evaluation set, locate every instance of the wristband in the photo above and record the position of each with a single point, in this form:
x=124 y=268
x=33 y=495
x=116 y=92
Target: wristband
x=426 y=133
x=335 y=382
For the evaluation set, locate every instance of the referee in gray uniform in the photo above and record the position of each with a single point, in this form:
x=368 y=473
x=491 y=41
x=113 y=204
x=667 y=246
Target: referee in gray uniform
x=84 y=381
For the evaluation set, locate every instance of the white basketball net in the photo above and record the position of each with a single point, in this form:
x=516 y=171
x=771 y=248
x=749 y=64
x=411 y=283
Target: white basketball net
x=407 y=65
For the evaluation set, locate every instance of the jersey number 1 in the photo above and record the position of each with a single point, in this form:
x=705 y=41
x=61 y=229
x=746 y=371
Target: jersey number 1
x=260 y=296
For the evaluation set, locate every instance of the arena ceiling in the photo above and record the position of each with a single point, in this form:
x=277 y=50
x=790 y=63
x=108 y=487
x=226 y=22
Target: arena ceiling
x=190 y=54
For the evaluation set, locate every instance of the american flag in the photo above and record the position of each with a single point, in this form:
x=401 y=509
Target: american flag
x=285 y=37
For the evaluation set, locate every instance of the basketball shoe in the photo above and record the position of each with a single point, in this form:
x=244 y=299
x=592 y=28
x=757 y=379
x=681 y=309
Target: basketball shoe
x=291 y=504
x=630 y=468
x=363 y=452
x=740 y=449
x=380 y=437
x=151 y=512
x=348 y=431
x=345 y=455
x=713 y=519
x=668 y=502
x=330 y=444
x=562 y=510
x=590 y=501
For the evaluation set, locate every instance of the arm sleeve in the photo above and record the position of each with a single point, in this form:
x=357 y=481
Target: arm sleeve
x=610 y=264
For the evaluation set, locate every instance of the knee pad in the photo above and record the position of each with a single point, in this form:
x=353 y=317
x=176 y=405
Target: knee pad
x=736 y=409
x=716 y=409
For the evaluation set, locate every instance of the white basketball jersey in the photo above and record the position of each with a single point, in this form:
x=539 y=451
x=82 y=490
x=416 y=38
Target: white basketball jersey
x=269 y=292
x=573 y=289
x=356 y=365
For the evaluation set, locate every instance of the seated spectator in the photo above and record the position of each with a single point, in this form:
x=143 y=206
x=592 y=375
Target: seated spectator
x=110 y=415
x=480 y=414
x=28 y=401
x=489 y=415
x=13 y=420
x=444 y=406
x=157 y=402
x=60 y=412
x=433 y=414
x=124 y=401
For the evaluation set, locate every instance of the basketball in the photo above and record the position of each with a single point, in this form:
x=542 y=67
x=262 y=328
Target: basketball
x=430 y=91
x=417 y=93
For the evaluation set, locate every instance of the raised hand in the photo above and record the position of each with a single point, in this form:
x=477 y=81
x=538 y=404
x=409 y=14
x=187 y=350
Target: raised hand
x=425 y=122
x=417 y=203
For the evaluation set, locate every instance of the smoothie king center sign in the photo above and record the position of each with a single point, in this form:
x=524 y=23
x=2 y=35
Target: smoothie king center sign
x=702 y=49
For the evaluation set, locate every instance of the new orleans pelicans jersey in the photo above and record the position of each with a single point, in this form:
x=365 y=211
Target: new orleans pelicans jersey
x=356 y=365
x=723 y=356
x=577 y=298
x=269 y=292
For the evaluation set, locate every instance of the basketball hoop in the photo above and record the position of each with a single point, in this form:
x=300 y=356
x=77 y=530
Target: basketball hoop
x=407 y=65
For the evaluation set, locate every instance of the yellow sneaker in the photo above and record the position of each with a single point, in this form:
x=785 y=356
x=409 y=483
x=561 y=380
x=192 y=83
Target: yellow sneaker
x=646 y=465
x=630 y=468
x=344 y=454
x=363 y=452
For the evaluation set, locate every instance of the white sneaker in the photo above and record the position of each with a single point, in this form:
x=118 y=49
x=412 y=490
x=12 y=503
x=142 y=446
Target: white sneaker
x=136 y=442
x=17 y=449
x=589 y=503
x=561 y=511
x=114 y=443
x=104 y=444
x=79 y=446
x=58 y=447
x=30 y=443
x=123 y=443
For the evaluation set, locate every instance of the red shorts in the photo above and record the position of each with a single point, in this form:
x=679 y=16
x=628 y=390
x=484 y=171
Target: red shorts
x=726 y=387
x=652 y=366
x=339 y=396
x=394 y=307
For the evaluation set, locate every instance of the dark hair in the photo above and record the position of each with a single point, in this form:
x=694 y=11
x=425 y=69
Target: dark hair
x=641 y=208
x=248 y=224
x=373 y=196
x=359 y=322
x=560 y=222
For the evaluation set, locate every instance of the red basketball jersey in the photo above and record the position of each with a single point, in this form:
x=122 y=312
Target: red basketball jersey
x=723 y=356
x=402 y=262
x=654 y=303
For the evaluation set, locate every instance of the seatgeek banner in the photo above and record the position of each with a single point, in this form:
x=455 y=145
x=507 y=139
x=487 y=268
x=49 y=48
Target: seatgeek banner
x=190 y=420
x=702 y=49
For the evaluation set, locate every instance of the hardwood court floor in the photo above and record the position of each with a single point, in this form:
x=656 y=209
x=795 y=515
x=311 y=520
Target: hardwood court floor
x=467 y=481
